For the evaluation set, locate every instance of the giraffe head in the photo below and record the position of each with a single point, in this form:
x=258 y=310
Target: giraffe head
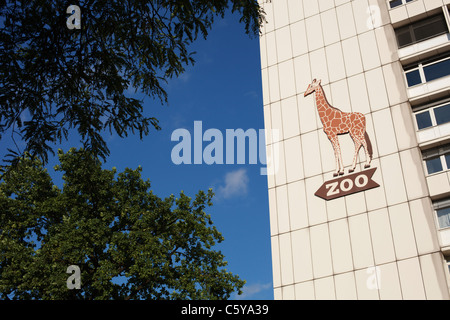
x=312 y=87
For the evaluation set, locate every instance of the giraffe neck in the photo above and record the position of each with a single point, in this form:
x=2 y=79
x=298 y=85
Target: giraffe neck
x=321 y=101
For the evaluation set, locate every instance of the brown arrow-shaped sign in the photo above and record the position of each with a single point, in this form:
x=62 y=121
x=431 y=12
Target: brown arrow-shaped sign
x=344 y=186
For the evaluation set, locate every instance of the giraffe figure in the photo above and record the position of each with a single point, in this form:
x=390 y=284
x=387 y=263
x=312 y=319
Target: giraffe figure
x=336 y=122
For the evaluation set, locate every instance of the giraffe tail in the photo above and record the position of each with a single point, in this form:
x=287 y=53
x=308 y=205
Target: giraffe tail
x=369 y=144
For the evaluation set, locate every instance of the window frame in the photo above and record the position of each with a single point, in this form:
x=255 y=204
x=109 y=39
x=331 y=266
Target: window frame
x=440 y=204
x=420 y=66
x=447 y=263
x=403 y=2
x=411 y=27
x=430 y=110
x=434 y=153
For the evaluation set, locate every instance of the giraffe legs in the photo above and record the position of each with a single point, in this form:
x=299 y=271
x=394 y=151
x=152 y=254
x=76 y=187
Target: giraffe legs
x=360 y=141
x=337 y=155
x=358 y=145
x=368 y=156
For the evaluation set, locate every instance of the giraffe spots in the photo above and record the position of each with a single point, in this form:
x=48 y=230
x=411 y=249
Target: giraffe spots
x=343 y=127
x=335 y=124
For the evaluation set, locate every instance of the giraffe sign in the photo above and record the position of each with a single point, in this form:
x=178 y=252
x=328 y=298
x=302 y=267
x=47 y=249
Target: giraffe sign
x=336 y=122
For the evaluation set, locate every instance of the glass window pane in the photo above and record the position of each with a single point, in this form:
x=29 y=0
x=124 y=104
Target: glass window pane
x=442 y=114
x=443 y=217
x=404 y=37
x=423 y=120
x=434 y=165
x=413 y=78
x=437 y=70
x=395 y=3
x=447 y=160
x=429 y=28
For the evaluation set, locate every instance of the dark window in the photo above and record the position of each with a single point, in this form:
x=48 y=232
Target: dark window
x=443 y=217
x=423 y=120
x=396 y=3
x=437 y=160
x=442 y=114
x=404 y=37
x=413 y=78
x=437 y=70
x=429 y=28
x=442 y=209
x=421 y=30
x=434 y=165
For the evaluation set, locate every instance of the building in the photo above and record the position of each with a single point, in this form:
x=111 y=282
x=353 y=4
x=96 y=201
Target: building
x=390 y=61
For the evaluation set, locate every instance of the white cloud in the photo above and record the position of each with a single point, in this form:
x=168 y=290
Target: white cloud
x=250 y=290
x=236 y=183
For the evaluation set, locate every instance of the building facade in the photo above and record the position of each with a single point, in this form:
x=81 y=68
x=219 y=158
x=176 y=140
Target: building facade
x=330 y=70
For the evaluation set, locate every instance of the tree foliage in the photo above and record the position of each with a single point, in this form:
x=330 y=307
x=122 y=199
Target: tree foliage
x=128 y=243
x=59 y=79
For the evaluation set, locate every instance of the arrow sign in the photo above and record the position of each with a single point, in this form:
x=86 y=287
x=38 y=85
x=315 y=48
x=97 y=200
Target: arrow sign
x=344 y=186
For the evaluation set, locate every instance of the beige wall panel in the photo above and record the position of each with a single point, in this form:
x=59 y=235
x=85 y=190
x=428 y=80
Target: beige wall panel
x=286 y=269
x=402 y=231
x=434 y=276
x=294 y=159
x=424 y=226
x=298 y=210
x=345 y=286
x=381 y=235
x=321 y=251
x=389 y=282
x=317 y=212
x=360 y=241
x=282 y=209
x=340 y=246
x=411 y=279
x=305 y=291
x=324 y=289
x=301 y=255
x=276 y=270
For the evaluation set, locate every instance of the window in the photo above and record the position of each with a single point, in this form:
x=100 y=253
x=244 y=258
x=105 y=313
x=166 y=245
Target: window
x=427 y=71
x=423 y=120
x=413 y=77
x=437 y=70
x=447 y=260
x=437 y=159
x=421 y=30
x=396 y=3
x=442 y=209
x=435 y=115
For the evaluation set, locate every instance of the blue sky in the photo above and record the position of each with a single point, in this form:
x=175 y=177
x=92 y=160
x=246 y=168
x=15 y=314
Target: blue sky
x=223 y=90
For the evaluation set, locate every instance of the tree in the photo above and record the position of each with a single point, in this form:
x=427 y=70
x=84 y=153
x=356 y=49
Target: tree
x=127 y=242
x=59 y=79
